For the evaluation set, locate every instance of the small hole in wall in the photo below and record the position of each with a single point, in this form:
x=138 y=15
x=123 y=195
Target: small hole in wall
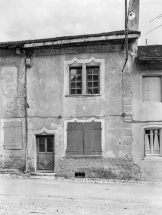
x=79 y=174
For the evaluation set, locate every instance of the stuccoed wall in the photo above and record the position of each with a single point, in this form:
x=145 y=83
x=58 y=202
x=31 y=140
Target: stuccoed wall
x=11 y=103
x=145 y=115
x=49 y=109
x=47 y=101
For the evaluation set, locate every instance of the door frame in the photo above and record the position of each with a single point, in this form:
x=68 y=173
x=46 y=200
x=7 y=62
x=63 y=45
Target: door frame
x=37 y=145
x=45 y=132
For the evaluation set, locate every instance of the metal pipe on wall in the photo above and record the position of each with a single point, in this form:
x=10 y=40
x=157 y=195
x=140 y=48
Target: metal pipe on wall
x=126 y=57
x=26 y=117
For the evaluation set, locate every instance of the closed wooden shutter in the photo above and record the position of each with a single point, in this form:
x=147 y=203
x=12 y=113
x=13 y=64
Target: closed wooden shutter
x=92 y=138
x=13 y=135
x=151 y=89
x=74 y=138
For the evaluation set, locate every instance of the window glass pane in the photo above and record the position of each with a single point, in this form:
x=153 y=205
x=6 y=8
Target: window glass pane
x=89 y=84
x=95 y=84
x=79 y=78
x=79 y=91
x=95 y=70
x=90 y=91
x=72 y=78
x=72 y=85
x=42 y=144
x=76 y=80
x=50 y=144
x=73 y=72
x=95 y=91
x=95 y=77
x=79 y=71
x=92 y=80
x=72 y=91
x=89 y=71
x=79 y=84
x=152 y=142
x=89 y=78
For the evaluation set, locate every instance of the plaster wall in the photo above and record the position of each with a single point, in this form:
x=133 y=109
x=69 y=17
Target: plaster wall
x=145 y=115
x=11 y=104
x=49 y=107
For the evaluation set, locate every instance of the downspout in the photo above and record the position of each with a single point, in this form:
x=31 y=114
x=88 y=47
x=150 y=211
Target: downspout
x=26 y=116
x=126 y=57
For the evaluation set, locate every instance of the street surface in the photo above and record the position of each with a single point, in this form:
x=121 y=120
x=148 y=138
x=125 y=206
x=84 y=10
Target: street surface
x=48 y=196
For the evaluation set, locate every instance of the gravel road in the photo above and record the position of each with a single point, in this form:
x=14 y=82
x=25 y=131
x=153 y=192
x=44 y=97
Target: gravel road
x=42 y=196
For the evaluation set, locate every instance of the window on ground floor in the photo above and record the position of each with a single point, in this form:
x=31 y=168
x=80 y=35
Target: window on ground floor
x=84 y=138
x=153 y=142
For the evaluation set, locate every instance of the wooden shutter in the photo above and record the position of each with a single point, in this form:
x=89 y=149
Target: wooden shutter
x=152 y=89
x=92 y=138
x=74 y=138
x=13 y=135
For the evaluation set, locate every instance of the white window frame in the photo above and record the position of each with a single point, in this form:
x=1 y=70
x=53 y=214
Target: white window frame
x=84 y=63
x=152 y=127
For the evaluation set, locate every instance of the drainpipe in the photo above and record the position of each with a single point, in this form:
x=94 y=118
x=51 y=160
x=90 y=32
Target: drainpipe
x=126 y=57
x=26 y=116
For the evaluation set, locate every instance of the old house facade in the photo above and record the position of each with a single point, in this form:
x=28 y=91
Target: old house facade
x=69 y=105
x=73 y=119
x=147 y=112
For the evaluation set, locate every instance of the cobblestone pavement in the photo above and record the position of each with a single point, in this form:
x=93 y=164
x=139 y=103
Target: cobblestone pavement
x=22 y=195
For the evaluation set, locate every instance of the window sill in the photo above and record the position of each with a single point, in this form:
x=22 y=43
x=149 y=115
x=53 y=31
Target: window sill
x=83 y=156
x=152 y=103
x=152 y=157
x=83 y=95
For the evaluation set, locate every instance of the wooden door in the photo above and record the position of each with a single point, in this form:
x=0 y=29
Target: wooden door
x=45 y=153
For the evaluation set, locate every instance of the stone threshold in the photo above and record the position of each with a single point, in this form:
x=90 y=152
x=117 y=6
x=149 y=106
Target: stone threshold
x=9 y=171
x=43 y=174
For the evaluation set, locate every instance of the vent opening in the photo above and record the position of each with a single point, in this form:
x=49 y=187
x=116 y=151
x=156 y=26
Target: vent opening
x=79 y=174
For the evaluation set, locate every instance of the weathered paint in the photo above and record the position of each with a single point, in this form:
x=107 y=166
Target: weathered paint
x=11 y=104
x=50 y=108
x=145 y=115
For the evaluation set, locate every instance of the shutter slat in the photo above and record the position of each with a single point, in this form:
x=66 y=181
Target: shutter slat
x=13 y=135
x=92 y=138
x=75 y=138
x=151 y=89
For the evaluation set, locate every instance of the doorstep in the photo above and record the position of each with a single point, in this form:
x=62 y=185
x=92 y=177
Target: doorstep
x=9 y=171
x=42 y=175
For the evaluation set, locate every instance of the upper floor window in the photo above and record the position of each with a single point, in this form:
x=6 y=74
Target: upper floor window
x=152 y=89
x=75 y=80
x=92 y=80
x=84 y=77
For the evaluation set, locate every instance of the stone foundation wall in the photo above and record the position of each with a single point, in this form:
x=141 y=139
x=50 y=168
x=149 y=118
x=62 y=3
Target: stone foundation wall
x=14 y=160
x=109 y=168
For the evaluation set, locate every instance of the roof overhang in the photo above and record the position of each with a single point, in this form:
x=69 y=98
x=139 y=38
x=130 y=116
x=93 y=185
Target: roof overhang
x=82 y=40
x=107 y=37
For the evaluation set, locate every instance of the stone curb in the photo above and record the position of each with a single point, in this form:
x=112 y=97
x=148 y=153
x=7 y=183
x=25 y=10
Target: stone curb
x=87 y=180
x=109 y=181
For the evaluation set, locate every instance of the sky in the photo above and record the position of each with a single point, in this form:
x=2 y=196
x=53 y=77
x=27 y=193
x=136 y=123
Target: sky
x=35 y=19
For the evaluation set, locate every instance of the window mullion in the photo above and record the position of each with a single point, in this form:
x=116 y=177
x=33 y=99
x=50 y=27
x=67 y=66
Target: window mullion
x=160 y=142
x=84 y=79
x=151 y=140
